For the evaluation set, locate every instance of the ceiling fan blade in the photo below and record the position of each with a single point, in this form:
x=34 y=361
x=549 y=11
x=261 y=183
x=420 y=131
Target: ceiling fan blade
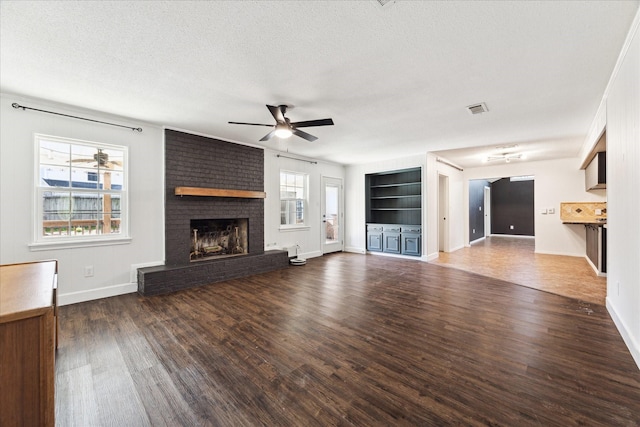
x=250 y=124
x=277 y=112
x=309 y=123
x=268 y=136
x=304 y=135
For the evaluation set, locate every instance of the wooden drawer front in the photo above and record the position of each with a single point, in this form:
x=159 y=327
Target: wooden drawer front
x=377 y=228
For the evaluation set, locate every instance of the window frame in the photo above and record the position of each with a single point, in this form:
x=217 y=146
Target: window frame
x=304 y=199
x=39 y=240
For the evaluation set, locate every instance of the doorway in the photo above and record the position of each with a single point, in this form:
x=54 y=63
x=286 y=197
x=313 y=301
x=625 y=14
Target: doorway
x=332 y=215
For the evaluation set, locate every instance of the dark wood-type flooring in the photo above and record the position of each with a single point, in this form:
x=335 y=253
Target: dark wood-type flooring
x=347 y=339
x=514 y=259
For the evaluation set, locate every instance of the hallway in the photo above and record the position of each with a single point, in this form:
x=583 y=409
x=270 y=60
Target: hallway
x=513 y=259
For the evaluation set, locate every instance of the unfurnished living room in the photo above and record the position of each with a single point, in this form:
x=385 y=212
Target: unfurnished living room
x=299 y=213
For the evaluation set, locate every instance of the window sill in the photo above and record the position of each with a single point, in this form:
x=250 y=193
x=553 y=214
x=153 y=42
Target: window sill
x=295 y=228
x=71 y=244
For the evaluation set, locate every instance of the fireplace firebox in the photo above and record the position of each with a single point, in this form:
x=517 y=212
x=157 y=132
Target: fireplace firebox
x=215 y=238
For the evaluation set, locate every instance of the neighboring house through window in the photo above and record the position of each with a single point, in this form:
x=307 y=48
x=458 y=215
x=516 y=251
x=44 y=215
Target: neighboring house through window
x=293 y=198
x=80 y=190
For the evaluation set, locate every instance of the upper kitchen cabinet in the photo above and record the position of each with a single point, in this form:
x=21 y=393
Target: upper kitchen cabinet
x=595 y=173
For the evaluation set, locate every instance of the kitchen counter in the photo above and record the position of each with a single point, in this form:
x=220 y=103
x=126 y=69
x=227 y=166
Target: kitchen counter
x=592 y=222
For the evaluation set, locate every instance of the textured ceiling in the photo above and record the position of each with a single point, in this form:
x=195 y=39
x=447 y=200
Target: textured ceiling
x=395 y=79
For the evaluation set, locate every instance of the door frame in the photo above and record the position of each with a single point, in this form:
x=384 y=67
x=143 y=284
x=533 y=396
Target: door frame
x=338 y=245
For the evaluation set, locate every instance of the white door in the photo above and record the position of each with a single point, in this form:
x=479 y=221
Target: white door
x=487 y=211
x=443 y=213
x=332 y=215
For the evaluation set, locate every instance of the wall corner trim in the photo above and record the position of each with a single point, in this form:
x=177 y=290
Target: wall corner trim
x=632 y=344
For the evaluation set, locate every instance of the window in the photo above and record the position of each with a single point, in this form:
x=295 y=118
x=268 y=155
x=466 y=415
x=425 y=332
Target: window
x=80 y=190
x=293 y=193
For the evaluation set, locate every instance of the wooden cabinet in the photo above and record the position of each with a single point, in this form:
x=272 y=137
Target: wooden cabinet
x=596 y=239
x=28 y=328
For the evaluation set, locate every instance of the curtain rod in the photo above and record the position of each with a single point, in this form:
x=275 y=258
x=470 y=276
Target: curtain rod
x=16 y=105
x=449 y=164
x=294 y=158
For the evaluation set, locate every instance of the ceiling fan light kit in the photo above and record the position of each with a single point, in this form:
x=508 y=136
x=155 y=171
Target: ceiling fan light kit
x=283 y=131
x=284 y=128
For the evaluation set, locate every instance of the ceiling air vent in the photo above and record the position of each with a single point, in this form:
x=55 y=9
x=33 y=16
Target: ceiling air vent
x=478 y=108
x=385 y=2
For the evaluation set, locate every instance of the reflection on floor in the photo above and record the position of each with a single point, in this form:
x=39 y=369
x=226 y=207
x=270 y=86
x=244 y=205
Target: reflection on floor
x=513 y=259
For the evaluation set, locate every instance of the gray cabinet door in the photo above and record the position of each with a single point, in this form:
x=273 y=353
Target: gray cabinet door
x=374 y=242
x=391 y=243
x=411 y=244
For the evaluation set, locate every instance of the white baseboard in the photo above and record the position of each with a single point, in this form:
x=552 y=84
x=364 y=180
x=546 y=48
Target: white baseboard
x=632 y=344
x=355 y=250
x=582 y=255
x=456 y=248
x=93 y=294
x=432 y=256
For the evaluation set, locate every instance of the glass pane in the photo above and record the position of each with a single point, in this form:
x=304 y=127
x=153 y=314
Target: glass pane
x=117 y=180
x=84 y=177
x=331 y=213
x=299 y=180
x=56 y=213
x=110 y=224
x=83 y=156
x=54 y=176
x=54 y=153
x=112 y=159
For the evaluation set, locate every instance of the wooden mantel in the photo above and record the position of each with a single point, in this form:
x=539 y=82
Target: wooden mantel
x=219 y=192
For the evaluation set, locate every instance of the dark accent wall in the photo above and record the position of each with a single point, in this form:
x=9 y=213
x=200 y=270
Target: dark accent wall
x=476 y=208
x=512 y=204
x=198 y=161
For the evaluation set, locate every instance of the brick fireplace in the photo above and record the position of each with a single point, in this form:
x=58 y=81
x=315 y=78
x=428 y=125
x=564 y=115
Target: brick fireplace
x=208 y=163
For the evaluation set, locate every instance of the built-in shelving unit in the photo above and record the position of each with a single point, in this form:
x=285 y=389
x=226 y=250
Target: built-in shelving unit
x=394 y=197
x=394 y=211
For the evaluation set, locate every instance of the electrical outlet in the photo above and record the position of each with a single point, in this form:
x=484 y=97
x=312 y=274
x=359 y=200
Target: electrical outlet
x=88 y=271
x=480 y=208
x=474 y=231
x=551 y=210
x=511 y=227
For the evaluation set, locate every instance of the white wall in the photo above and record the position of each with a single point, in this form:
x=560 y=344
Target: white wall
x=455 y=202
x=112 y=264
x=623 y=188
x=310 y=238
x=355 y=235
x=556 y=181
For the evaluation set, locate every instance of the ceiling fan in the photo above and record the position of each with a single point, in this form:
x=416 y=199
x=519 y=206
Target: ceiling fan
x=284 y=128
